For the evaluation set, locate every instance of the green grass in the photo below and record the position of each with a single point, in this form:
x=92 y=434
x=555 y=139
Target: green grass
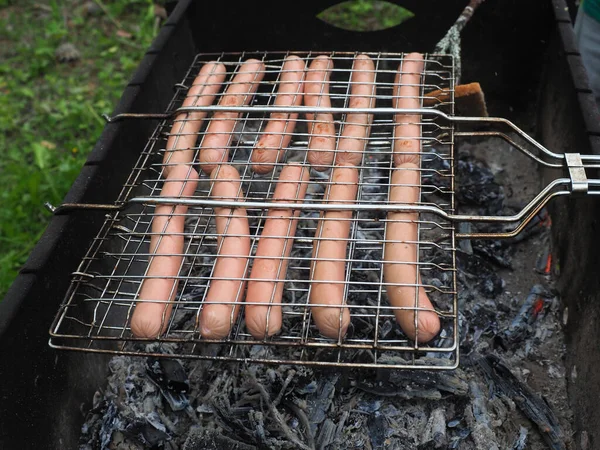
x=50 y=111
x=365 y=15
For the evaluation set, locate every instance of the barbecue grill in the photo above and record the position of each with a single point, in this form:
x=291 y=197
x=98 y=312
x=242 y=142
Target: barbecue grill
x=106 y=286
x=95 y=249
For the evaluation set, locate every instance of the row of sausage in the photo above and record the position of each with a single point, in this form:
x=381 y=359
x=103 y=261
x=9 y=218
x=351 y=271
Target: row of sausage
x=262 y=290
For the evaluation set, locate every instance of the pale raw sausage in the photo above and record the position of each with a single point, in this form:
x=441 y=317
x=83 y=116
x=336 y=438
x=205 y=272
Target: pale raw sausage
x=321 y=129
x=272 y=254
x=228 y=280
x=152 y=312
x=328 y=271
x=400 y=270
x=357 y=127
x=214 y=148
x=184 y=132
x=278 y=132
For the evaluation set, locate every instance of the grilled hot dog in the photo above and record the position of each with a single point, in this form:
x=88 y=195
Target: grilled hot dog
x=152 y=313
x=272 y=254
x=279 y=129
x=400 y=270
x=186 y=126
x=227 y=284
x=215 y=144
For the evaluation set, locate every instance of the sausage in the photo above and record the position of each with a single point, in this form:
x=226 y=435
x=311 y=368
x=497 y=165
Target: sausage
x=272 y=254
x=233 y=242
x=400 y=270
x=214 y=148
x=151 y=314
x=186 y=126
x=357 y=127
x=279 y=129
x=321 y=129
x=328 y=271
x=407 y=133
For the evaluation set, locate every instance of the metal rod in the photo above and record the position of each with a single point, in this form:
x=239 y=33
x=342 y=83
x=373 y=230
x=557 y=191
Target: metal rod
x=338 y=110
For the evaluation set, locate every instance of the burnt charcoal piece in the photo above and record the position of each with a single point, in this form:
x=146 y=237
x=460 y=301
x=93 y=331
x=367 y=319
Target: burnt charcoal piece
x=147 y=433
x=377 y=429
x=319 y=402
x=450 y=382
x=169 y=373
x=520 y=326
x=504 y=382
x=495 y=251
x=210 y=439
x=170 y=377
x=488 y=282
x=477 y=186
x=482 y=318
x=435 y=432
x=195 y=294
x=521 y=441
x=422 y=384
x=109 y=424
x=236 y=428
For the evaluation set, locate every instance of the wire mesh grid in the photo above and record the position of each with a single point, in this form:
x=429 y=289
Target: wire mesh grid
x=200 y=223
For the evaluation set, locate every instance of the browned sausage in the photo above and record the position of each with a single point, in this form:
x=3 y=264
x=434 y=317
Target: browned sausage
x=152 y=312
x=329 y=255
x=279 y=129
x=321 y=129
x=352 y=143
x=215 y=144
x=227 y=284
x=186 y=126
x=400 y=270
x=272 y=254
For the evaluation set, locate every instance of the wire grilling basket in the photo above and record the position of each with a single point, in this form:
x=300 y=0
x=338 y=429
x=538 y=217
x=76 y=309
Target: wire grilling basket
x=97 y=311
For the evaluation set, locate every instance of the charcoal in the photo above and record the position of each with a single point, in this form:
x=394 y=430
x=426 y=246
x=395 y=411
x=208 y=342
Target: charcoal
x=435 y=162
x=479 y=420
x=520 y=326
x=487 y=281
x=377 y=430
x=110 y=422
x=195 y=294
x=422 y=384
x=171 y=379
x=211 y=439
x=327 y=434
x=246 y=406
x=543 y=264
x=521 y=441
x=454 y=423
x=319 y=402
x=391 y=390
x=477 y=186
x=368 y=406
x=150 y=433
x=450 y=382
x=538 y=411
x=496 y=252
x=435 y=432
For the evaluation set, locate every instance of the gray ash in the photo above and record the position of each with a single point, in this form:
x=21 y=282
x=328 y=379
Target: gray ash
x=508 y=393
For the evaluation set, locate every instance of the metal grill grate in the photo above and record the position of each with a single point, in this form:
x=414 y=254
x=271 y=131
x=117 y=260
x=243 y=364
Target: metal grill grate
x=97 y=309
